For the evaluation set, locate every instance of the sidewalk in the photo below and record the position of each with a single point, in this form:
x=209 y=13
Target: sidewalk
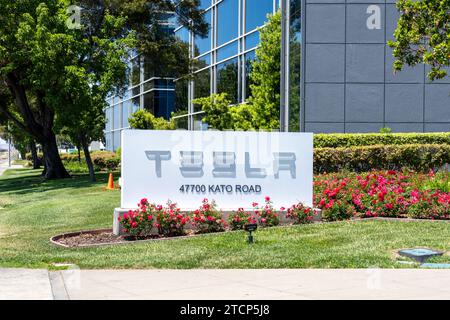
x=226 y=284
x=4 y=166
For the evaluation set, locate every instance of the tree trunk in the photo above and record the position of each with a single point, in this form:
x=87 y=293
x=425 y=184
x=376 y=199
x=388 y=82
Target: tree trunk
x=87 y=156
x=34 y=155
x=79 y=153
x=54 y=168
x=38 y=124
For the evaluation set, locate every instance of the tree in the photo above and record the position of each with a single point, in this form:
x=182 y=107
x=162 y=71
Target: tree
x=145 y=120
x=220 y=115
x=261 y=111
x=265 y=76
x=57 y=71
x=43 y=62
x=423 y=35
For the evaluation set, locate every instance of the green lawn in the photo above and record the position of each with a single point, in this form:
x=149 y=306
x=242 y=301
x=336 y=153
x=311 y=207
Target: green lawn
x=33 y=210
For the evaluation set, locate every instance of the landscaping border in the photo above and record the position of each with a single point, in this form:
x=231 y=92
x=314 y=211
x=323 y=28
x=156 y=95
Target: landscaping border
x=54 y=239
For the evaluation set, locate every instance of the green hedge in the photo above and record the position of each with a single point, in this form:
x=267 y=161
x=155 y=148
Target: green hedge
x=390 y=157
x=103 y=160
x=369 y=139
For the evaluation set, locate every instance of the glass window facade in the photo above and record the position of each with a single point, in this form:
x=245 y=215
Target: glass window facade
x=295 y=41
x=223 y=58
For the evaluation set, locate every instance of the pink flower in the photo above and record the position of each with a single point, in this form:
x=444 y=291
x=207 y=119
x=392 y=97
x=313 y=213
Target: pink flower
x=267 y=199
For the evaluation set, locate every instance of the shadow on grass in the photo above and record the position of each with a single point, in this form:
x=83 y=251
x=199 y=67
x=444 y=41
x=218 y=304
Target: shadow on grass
x=23 y=181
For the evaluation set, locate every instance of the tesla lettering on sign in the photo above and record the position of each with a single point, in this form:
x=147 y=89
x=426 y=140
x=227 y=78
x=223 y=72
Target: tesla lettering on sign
x=233 y=168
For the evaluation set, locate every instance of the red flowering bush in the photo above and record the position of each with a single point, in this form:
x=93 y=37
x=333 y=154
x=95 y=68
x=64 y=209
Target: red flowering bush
x=301 y=214
x=207 y=218
x=267 y=217
x=379 y=194
x=429 y=205
x=170 y=221
x=139 y=223
x=237 y=220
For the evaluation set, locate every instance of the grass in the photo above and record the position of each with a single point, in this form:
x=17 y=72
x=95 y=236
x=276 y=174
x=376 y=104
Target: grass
x=32 y=210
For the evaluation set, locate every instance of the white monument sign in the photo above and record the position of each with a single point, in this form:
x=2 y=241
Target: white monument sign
x=233 y=168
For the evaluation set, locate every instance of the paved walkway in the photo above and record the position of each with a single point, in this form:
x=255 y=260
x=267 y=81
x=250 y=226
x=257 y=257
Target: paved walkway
x=226 y=284
x=4 y=166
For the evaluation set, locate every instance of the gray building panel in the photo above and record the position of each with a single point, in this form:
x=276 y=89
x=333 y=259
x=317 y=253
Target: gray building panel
x=326 y=23
x=392 y=16
x=361 y=127
x=325 y=127
x=404 y=103
x=364 y=102
x=437 y=103
x=325 y=62
x=406 y=75
x=437 y=127
x=405 y=127
x=443 y=80
x=365 y=63
x=354 y=67
x=356 y=17
x=326 y=101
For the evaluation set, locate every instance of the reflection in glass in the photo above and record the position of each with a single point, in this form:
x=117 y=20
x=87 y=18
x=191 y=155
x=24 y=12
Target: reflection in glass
x=108 y=140
x=201 y=62
x=204 y=4
x=148 y=69
x=126 y=113
x=181 y=122
x=203 y=45
x=227 y=79
x=294 y=65
x=252 y=40
x=135 y=77
x=149 y=102
x=198 y=122
x=116 y=140
x=183 y=34
x=117 y=112
x=109 y=119
x=181 y=96
x=256 y=13
x=227 y=52
x=227 y=16
x=163 y=103
x=249 y=57
x=202 y=84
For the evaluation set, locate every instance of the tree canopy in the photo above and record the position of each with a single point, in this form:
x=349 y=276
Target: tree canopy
x=59 y=71
x=423 y=35
x=262 y=110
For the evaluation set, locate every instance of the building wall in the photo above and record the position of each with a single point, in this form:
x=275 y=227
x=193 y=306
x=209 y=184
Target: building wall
x=348 y=82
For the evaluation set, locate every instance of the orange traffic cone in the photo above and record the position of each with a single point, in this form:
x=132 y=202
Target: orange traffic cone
x=110 y=182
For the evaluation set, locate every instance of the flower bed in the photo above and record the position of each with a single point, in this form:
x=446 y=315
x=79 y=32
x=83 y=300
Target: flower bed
x=388 y=194
x=170 y=221
x=381 y=194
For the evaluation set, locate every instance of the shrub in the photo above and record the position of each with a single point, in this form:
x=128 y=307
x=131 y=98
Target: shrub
x=267 y=217
x=301 y=214
x=368 y=139
x=138 y=223
x=379 y=194
x=394 y=157
x=170 y=221
x=429 y=205
x=207 y=218
x=238 y=219
x=106 y=161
